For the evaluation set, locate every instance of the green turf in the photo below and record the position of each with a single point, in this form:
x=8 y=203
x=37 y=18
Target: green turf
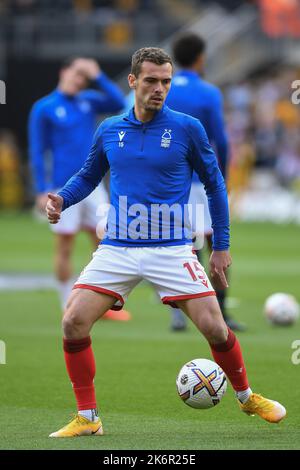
x=26 y=245
x=137 y=362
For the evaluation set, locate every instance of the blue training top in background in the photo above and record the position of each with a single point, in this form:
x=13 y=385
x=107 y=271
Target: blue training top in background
x=190 y=94
x=64 y=125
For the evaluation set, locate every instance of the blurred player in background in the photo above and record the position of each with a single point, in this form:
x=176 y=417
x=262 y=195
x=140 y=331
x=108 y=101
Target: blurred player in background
x=61 y=128
x=190 y=94
x=151 y=152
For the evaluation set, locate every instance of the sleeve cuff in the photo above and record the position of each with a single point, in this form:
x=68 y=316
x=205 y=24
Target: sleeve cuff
x=101 y=78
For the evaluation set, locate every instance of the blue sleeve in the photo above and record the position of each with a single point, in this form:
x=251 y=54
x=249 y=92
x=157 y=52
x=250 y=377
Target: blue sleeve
x=109 y=100
x=204 y=162
x=85 y=181
x=217 y=130
x=38 y=145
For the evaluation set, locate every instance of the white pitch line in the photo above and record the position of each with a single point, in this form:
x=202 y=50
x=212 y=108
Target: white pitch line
x=26 y=281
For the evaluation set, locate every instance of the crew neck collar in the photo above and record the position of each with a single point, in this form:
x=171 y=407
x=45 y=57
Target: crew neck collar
x=132 y=118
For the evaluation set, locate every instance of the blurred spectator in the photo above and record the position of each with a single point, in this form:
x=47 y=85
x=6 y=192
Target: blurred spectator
x=288 y=161
x=263 y=126
x=11 y=190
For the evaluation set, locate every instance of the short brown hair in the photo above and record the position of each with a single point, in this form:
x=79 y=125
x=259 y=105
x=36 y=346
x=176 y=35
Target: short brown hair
x=151 y=54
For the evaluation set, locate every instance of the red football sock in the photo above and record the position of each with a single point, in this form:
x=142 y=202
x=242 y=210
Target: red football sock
x=81 y=368
x=229 y=357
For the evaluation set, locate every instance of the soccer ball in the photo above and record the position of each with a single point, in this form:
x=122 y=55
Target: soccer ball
x=201 y=383
x=281 y=309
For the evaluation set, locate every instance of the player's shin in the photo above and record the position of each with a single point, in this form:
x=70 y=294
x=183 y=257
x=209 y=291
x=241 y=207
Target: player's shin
x=80 y=363
x=229 y=357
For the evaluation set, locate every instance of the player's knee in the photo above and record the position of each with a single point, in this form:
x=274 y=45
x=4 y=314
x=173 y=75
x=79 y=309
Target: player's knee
x=219 y=333
x=72 y=323
x=214 y=329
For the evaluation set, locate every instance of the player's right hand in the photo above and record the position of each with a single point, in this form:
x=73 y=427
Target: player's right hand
x=92 y=68
x=89 y=67
x=54 y=207
x=41 y=201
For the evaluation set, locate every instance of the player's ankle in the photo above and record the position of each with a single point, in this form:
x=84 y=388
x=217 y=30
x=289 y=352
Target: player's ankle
x=244 y=395
x=91 y=414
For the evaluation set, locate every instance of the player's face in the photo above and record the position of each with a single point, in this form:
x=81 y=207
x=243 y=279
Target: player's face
x=152 y=85
x=74 y=78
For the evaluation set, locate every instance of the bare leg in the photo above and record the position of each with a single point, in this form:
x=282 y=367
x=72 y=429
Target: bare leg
x=83 y=309
x=62 y=265
x=205 y=313
x=222 y=295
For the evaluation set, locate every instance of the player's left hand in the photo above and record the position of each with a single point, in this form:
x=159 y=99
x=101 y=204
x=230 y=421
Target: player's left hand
x=218 y=263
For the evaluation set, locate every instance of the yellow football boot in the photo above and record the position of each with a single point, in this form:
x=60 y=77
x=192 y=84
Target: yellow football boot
x=80 y=426
x=269 y=410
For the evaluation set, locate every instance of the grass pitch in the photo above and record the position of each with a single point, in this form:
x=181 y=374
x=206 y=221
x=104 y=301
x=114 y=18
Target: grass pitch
x=137 y=362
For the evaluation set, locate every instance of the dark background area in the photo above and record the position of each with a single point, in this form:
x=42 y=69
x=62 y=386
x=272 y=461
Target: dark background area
x=30 y=79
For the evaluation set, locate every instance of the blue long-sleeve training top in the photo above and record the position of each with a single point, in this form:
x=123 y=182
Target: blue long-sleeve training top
x=151 y=165
x=62 y=126
x=192 y=95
